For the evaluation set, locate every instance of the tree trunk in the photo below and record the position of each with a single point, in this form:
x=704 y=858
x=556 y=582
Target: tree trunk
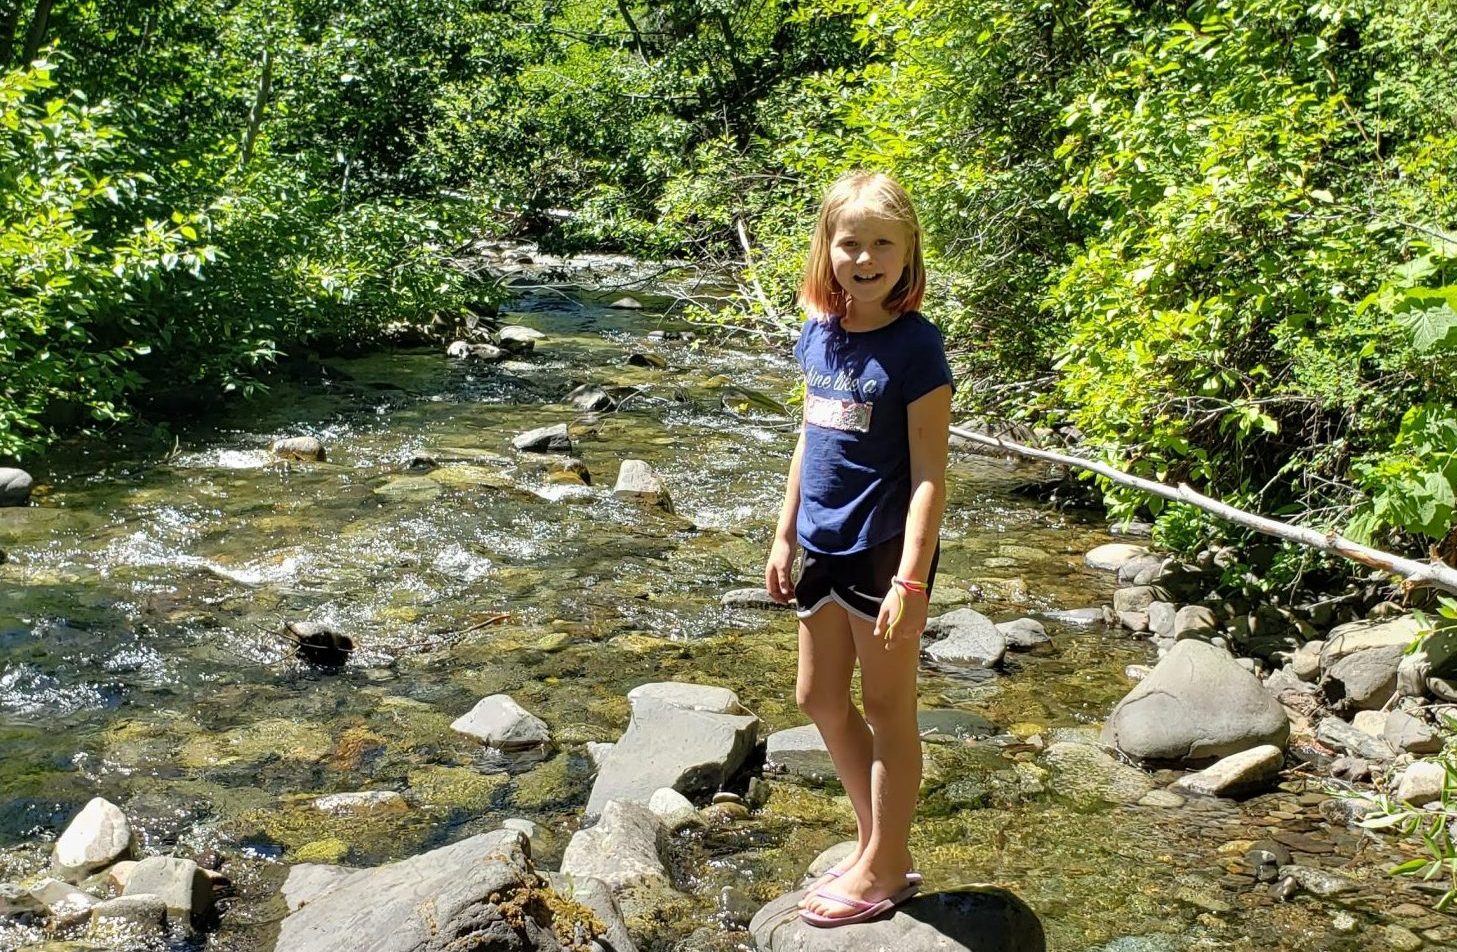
x=35 y=38
x=255 y=114
x=1415 y=574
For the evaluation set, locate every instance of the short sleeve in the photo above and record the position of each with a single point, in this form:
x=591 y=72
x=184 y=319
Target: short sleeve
x=799 y=345
x=926 y=364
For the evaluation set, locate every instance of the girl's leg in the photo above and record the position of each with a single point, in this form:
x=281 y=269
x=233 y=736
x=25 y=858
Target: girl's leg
x=888 y=690
x=826 y=663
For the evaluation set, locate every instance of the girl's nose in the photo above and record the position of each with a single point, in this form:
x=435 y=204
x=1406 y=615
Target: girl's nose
x=863 y=256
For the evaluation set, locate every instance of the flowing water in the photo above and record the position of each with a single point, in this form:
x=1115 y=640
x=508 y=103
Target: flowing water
x=141 y=657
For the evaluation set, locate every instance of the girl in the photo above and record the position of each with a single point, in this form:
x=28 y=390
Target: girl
x=864 y=499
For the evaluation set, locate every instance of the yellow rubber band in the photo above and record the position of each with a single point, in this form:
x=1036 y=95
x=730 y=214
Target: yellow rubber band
x=900 y=601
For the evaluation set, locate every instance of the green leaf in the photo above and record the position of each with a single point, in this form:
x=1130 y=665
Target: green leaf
x=1430 y=326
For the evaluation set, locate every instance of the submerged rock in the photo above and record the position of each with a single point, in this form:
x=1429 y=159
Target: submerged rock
x=968 y=919
x=1086 y=775
x=799 y=751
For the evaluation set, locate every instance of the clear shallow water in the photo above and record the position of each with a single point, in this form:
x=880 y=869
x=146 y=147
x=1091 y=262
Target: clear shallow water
x=144 y=597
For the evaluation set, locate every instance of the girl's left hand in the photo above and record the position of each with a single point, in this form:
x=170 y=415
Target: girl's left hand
x=902 y=618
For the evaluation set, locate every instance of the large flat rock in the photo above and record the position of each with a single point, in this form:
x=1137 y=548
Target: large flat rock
x=435 y=902
x=967 y=919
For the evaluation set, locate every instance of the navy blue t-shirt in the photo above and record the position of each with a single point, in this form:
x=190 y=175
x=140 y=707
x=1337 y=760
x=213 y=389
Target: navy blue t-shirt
x=855 y=475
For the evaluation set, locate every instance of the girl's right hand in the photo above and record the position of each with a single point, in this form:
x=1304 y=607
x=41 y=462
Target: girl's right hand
x=777 y=572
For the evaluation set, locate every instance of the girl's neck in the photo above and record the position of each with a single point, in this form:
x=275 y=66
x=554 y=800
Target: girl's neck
x=860 y=317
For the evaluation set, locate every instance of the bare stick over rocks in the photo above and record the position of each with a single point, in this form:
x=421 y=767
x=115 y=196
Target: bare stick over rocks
x=1415 y=573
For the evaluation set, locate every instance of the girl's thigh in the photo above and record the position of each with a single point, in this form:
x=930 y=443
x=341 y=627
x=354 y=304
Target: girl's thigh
x=887 y=677
x=826 y=654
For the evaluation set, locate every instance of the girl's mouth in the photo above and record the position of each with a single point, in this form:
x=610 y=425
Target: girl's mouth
x=868 y=278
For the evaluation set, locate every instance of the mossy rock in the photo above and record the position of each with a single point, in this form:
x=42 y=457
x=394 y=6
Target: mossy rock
x=458 y=787
x=803 y=806
x=640 y=644
x=356 y=745
x=300 y=824
x=331 y=851
x=410 y=489
x=470 y=477
x=409 y=724
x=552 y=785
x=276 y=738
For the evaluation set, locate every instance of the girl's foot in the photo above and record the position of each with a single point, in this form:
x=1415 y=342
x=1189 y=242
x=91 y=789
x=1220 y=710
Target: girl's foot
x=829 y=876
x=859 y=884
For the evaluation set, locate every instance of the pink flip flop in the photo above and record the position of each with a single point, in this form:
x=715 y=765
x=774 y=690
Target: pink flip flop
x=864 y=909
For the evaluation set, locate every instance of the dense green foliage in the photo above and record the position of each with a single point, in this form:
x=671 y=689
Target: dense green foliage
x=1212 y=241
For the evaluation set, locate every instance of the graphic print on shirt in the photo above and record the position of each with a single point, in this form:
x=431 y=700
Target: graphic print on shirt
x=850 y=416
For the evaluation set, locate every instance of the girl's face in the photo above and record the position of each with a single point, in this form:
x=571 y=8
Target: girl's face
x=868 y=253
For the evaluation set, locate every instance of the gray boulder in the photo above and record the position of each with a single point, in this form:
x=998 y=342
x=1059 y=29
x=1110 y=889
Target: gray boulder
x=968 y=919
x=591 y=398
x=308 y=880
x=1362 y=680
x=514 y=339
x=1410 y=734
x=670 y=743
x=303 y=448
x=1235 y=775
x=1024 y=633
x=544 y=439
x=1367 y=635
x=626 y=848
x=801 y=752
x=1111 y=557
x=1197 y=705
x=442 y=901
x=502 y=723
x=98 y=836
x=1421 y=783
x=752 y=598
x=1137 y=598
x=1334 y=732
x=1194 y=621
x=183 y=888
x=1161 y=617
x=965 y=637
x=636 y=480
x=15 y=485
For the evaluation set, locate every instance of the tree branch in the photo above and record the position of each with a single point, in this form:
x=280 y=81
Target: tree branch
x=1415 y=574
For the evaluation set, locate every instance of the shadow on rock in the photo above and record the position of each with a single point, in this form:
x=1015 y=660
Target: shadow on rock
x=965 y=919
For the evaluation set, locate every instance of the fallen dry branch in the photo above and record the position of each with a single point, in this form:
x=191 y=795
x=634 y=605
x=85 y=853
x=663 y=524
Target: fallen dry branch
x=1414 y=573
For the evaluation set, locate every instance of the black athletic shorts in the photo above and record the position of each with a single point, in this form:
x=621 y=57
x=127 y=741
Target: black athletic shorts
x=857 y=581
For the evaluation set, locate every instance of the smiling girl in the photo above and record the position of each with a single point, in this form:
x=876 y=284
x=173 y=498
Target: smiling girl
x=864 y=499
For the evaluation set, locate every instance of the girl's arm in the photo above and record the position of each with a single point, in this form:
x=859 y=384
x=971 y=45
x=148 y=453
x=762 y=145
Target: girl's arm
x=781 y=553
x=928 y=422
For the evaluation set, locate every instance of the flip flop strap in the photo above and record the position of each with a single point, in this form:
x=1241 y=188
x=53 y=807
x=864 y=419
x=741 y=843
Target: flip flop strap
x=859 y=905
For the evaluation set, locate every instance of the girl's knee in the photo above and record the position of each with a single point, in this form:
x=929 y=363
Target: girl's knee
x=821 y=705
x=890 y=710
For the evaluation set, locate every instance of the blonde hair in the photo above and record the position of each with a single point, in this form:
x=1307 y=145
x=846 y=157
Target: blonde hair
x=820 y=294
